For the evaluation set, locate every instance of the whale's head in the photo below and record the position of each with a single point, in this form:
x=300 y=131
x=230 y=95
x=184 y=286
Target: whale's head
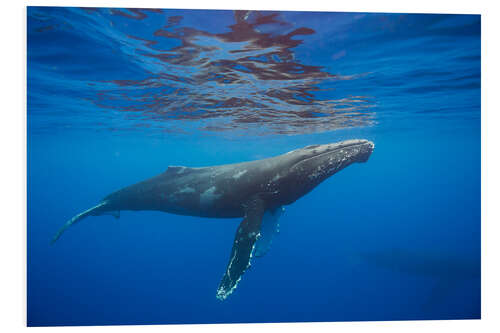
x=309 y=166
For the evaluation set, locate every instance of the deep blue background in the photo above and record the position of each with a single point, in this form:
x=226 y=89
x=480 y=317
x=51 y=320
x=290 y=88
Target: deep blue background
x=420 y=190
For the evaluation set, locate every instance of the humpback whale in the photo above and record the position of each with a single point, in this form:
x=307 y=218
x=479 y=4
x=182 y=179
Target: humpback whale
x=255 y=190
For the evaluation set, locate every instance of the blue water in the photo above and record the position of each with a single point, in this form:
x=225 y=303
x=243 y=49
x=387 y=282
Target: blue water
x=115 y=96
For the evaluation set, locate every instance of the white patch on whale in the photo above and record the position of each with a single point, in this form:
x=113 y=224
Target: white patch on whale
x=174 y=197
x=276 y=177
x=187 y=189
x=239 y=174
x=208 y=197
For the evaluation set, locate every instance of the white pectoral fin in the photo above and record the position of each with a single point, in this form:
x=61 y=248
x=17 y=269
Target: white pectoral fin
x=243 y=246
x=269 y=227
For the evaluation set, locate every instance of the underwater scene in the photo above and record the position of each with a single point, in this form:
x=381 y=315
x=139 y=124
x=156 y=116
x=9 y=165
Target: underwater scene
x=217 y=166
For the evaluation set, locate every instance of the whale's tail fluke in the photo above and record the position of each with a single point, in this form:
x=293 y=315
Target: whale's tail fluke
x=91 y=211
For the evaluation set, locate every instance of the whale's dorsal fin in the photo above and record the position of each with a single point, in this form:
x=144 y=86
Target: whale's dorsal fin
x=244 y=242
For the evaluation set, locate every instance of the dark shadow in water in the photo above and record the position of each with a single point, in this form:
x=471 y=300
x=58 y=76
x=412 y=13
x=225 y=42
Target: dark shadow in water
x=449 y=271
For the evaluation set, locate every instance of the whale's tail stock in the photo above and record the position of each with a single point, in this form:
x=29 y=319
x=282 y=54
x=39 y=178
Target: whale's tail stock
x=96 y=210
